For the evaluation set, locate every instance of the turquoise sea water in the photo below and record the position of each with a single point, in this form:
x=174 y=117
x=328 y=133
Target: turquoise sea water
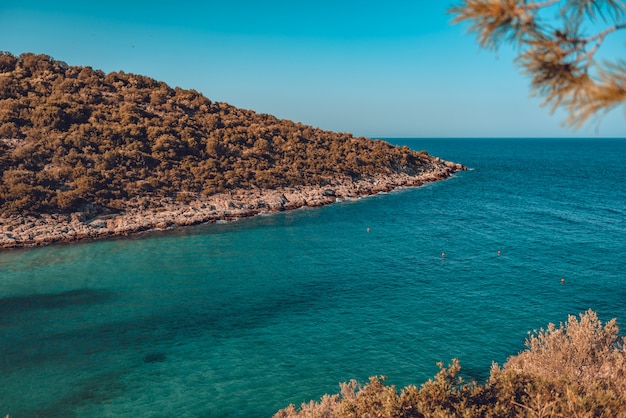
x=241 y=319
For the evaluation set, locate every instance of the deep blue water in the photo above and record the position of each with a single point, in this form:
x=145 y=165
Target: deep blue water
x=242 y=319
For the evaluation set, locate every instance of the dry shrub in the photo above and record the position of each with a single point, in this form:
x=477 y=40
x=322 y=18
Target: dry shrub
x=575 y=370
x=580 y=351
x=328 y=407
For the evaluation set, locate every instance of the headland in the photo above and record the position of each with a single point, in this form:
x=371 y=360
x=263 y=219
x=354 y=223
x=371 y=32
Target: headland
x=28 y=231
x=86 y=155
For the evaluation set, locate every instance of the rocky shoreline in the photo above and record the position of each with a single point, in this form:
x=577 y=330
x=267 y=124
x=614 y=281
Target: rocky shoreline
x=16 y=232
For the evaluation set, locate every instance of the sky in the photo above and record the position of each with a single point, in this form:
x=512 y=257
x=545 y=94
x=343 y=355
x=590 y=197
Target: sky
x=389 y=69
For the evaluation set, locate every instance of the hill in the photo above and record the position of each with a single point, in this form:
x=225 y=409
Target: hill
x=74 y=140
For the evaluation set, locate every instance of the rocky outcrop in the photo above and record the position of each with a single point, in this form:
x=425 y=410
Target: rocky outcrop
x=166 y=213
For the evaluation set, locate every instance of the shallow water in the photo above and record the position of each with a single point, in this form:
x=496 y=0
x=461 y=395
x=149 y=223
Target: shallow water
x=242 y=319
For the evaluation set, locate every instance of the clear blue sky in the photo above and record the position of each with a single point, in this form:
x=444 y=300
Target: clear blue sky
x=378 y=69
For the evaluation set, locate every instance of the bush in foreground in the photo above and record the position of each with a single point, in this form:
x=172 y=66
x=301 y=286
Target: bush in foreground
x=577 y=369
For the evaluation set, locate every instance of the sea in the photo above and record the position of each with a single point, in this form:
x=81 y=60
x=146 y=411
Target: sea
x=242 y=319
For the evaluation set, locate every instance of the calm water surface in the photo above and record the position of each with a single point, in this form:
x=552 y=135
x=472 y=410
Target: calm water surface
x=241 y=319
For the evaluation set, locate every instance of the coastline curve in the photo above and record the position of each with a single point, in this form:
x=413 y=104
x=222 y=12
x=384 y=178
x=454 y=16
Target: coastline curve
x=164 y=213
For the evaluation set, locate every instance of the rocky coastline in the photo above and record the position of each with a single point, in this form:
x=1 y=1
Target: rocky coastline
x=18 y=231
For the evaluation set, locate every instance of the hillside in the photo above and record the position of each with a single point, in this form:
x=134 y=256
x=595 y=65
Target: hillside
x=76 y=140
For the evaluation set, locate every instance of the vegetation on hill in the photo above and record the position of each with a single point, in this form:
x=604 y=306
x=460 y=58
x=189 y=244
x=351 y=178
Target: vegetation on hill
x=71 y=136
x=575 y=370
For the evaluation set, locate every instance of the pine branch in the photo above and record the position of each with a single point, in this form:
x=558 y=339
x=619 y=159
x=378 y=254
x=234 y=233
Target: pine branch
x=559 y=60
x=533 y=6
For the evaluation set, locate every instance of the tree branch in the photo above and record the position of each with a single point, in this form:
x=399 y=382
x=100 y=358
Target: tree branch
x=540 y=5
x=600 y=39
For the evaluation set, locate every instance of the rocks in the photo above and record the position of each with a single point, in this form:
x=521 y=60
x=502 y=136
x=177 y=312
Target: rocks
x=32 y=231
x=98 y=223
